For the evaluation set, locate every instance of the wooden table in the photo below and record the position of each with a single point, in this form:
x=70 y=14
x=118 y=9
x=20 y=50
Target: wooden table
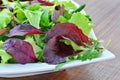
x=106 y=17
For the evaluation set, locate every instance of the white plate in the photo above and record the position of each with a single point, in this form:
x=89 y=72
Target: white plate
x=18 y=70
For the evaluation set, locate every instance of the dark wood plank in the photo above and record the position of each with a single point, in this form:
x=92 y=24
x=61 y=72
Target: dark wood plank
x=106 y=17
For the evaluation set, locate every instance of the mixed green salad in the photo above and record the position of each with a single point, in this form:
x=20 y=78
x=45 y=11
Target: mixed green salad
x=53 y=32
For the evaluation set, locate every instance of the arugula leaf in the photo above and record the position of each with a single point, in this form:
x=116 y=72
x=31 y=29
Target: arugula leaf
x=88 y=52
x=82 y=22
x=5 y=18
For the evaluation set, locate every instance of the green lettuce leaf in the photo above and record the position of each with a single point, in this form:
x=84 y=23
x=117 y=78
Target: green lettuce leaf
x=5 y=18
x=15 y=3
x=67 y=15
x=65 y=18
x=4 y=56
x=38 y=51
x=35 y=6
x=62 y=19
x=45 y=21
x=82 y=22
x=1 y=43
x=33 y=17
x=7 y=3
x=19 y=15
x=67 y=3
x=74 y=45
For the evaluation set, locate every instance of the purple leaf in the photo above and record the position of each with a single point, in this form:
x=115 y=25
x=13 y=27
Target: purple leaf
x=55 y=51
x=70 y=31
x=20 y=50
x=23 y=29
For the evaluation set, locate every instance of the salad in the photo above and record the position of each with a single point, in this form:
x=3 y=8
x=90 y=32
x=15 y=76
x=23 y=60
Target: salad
x=54 y=32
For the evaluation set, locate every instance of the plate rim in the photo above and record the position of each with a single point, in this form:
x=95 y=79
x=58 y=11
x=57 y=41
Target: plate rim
x=50 y=67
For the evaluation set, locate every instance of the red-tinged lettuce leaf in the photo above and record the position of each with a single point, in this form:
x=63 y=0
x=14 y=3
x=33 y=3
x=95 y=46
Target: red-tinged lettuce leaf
x=6 y=7
x=45 y=3
x=23 y=29
x=20 y=0
x=20 y=50
x=42 y=2
x=70 y=31
x=2 y=31
x=56 y=51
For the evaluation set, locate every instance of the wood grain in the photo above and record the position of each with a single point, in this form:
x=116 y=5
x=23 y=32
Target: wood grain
x=106 y=17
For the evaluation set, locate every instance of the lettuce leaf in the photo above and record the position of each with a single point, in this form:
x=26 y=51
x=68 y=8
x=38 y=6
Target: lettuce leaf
x=4 y=56
x=5 y=18
x=19 y=15
x=15 y=3
x=67 y=3
x=35 y=6
x=38 y=51
x=62 y=19
x=1 y=43
x=45 y=21
x=82 y=22
x=33 y=17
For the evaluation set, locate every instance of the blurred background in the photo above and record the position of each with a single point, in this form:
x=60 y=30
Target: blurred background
x=106 y=17
x=99 y=10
